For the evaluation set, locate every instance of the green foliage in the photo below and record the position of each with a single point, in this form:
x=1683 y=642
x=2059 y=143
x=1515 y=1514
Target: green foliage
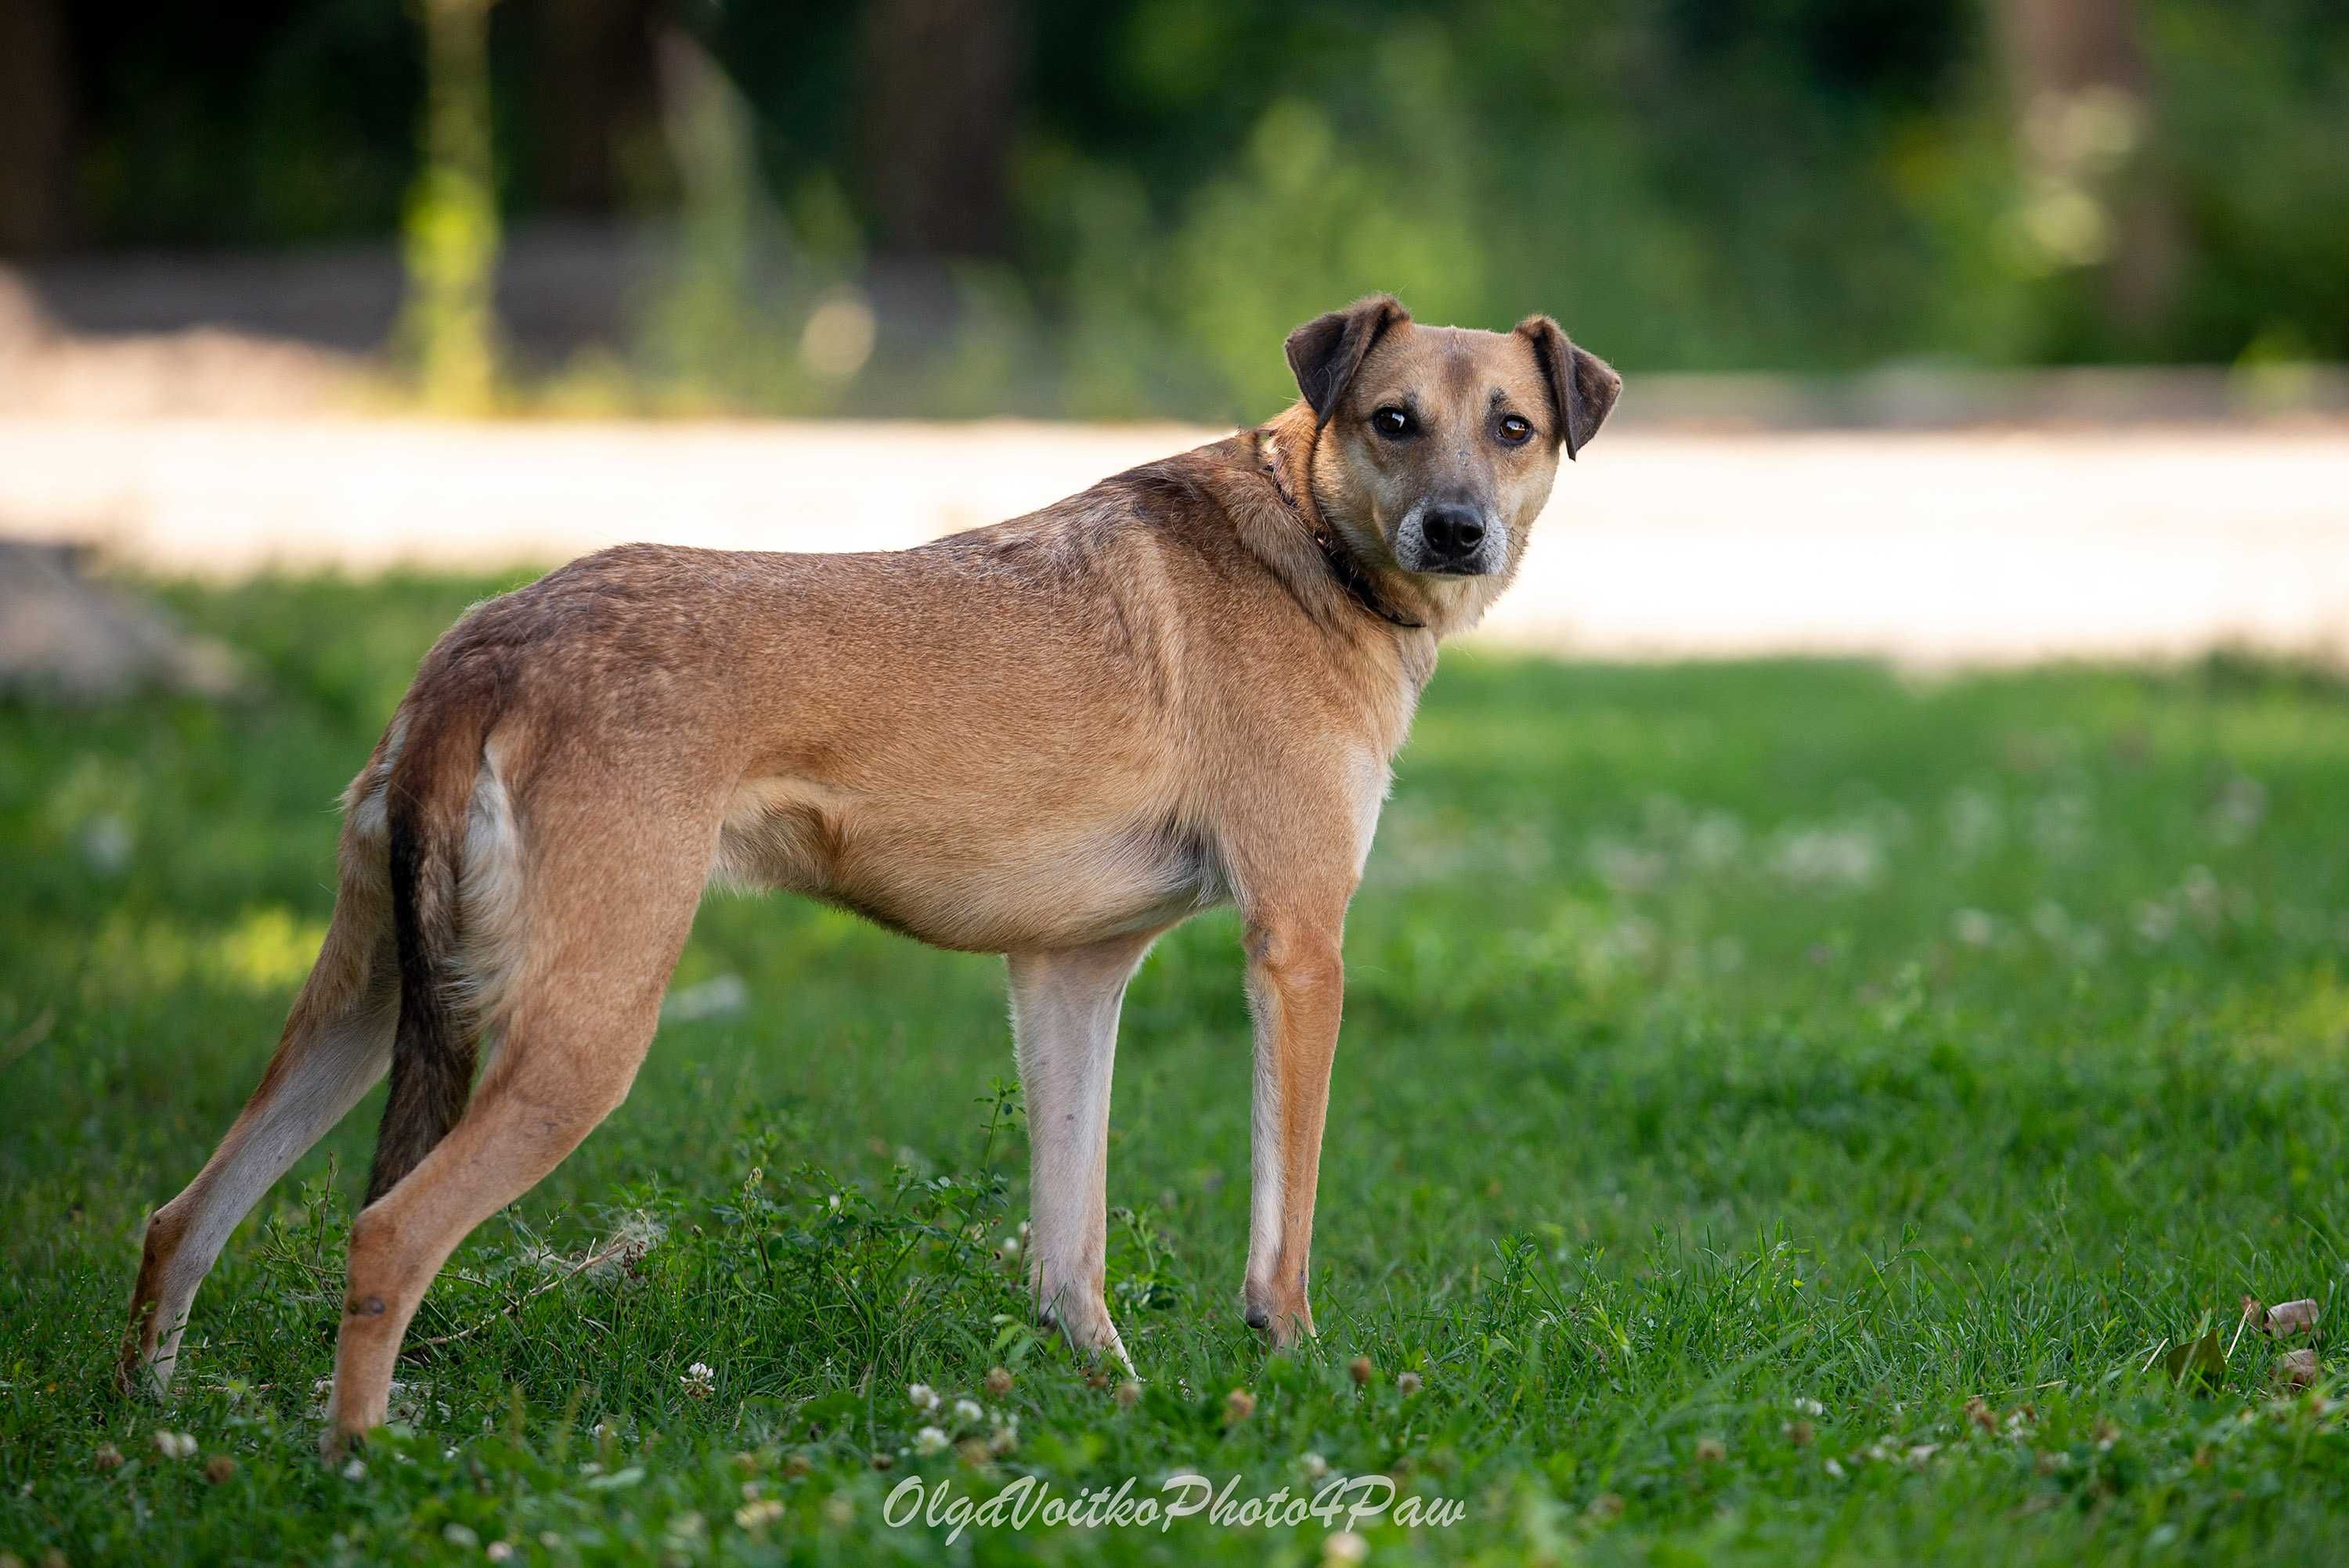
x=1822 y=186
x=1816 y=186
x=244 y=126
x=1808 y=185
x=1747 y=1068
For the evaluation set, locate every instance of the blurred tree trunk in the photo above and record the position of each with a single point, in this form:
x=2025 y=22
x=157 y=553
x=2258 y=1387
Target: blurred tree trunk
x=598 y=93
x=35 y=128
x=941 y=92
x=2084 y=113
x=450 y=239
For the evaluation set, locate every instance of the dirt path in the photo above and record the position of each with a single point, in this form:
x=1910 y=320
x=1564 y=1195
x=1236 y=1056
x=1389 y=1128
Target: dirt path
x=1929 y=548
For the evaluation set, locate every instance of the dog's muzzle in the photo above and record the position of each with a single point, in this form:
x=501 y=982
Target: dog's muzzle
x=1449 y=538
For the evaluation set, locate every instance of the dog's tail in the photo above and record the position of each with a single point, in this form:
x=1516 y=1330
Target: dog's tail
x=432 y=1055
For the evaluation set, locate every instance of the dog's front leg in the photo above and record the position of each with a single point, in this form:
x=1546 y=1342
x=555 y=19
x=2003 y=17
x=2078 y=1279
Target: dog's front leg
x=1296 y=981
x=1064 y=1008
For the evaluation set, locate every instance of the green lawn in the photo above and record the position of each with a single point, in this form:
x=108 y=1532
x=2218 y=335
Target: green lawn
x=1746 y=1067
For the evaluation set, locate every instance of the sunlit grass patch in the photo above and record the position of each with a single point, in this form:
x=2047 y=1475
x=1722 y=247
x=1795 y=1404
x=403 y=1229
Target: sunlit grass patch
x=1786 y=1113
x=265 y=951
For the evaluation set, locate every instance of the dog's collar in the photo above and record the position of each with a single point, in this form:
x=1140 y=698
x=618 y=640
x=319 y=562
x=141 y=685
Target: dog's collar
x=1341 y=562
x=1348 y=573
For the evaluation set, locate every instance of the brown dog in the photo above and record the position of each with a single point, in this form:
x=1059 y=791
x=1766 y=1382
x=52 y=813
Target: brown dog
x=1054 y=738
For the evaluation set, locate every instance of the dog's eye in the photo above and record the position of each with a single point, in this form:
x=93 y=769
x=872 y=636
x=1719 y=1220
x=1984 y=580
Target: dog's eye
x=1392 y=421
x=1514 y=428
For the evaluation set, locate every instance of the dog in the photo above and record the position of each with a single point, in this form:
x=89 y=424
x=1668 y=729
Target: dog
x=1054 y=738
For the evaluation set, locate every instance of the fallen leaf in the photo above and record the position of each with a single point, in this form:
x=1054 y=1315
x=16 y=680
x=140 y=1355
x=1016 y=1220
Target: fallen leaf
x=2293 y=1317
x=2297 y=1369
x=2202 y=1360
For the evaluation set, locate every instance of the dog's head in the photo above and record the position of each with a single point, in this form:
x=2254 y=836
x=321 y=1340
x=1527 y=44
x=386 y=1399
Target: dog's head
x=1436 y=445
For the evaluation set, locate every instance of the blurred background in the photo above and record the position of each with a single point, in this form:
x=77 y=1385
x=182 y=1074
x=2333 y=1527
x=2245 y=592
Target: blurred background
x=1979 y=327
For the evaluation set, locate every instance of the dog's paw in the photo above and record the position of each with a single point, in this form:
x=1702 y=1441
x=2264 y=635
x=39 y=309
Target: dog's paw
x=1086 y=1325
x=141 y=1376
x=1282 y=1324
x=338 y=1444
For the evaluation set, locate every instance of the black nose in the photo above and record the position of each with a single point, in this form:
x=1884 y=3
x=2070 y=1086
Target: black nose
x=1453 y=532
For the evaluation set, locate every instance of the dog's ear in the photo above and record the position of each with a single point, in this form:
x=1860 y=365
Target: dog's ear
x=1327 y=351
x=1582 y=387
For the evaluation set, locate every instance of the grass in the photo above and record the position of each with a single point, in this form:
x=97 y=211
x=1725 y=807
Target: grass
x=1747 y=1069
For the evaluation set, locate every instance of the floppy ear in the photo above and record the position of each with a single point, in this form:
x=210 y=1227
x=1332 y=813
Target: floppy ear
x=1327 y=351
x=1582 y=387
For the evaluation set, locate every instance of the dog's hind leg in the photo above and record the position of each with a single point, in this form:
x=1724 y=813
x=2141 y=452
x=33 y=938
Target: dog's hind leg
x=1064 y=1008
x=337 y=1043
x=608 y=915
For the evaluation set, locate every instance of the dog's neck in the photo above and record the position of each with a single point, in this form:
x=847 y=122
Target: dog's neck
x=1285 y=451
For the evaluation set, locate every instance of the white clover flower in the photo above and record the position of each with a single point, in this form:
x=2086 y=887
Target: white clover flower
x=930 y=1440
x=355 y=1470
x=699 y=1380
x=967 y=1412
x=756 y=1515
x=499 y=1551
x=1314 y=1466
x=175 y=1445
x=922 y=1396
x=1344 y=1549
x=1809 y=1407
